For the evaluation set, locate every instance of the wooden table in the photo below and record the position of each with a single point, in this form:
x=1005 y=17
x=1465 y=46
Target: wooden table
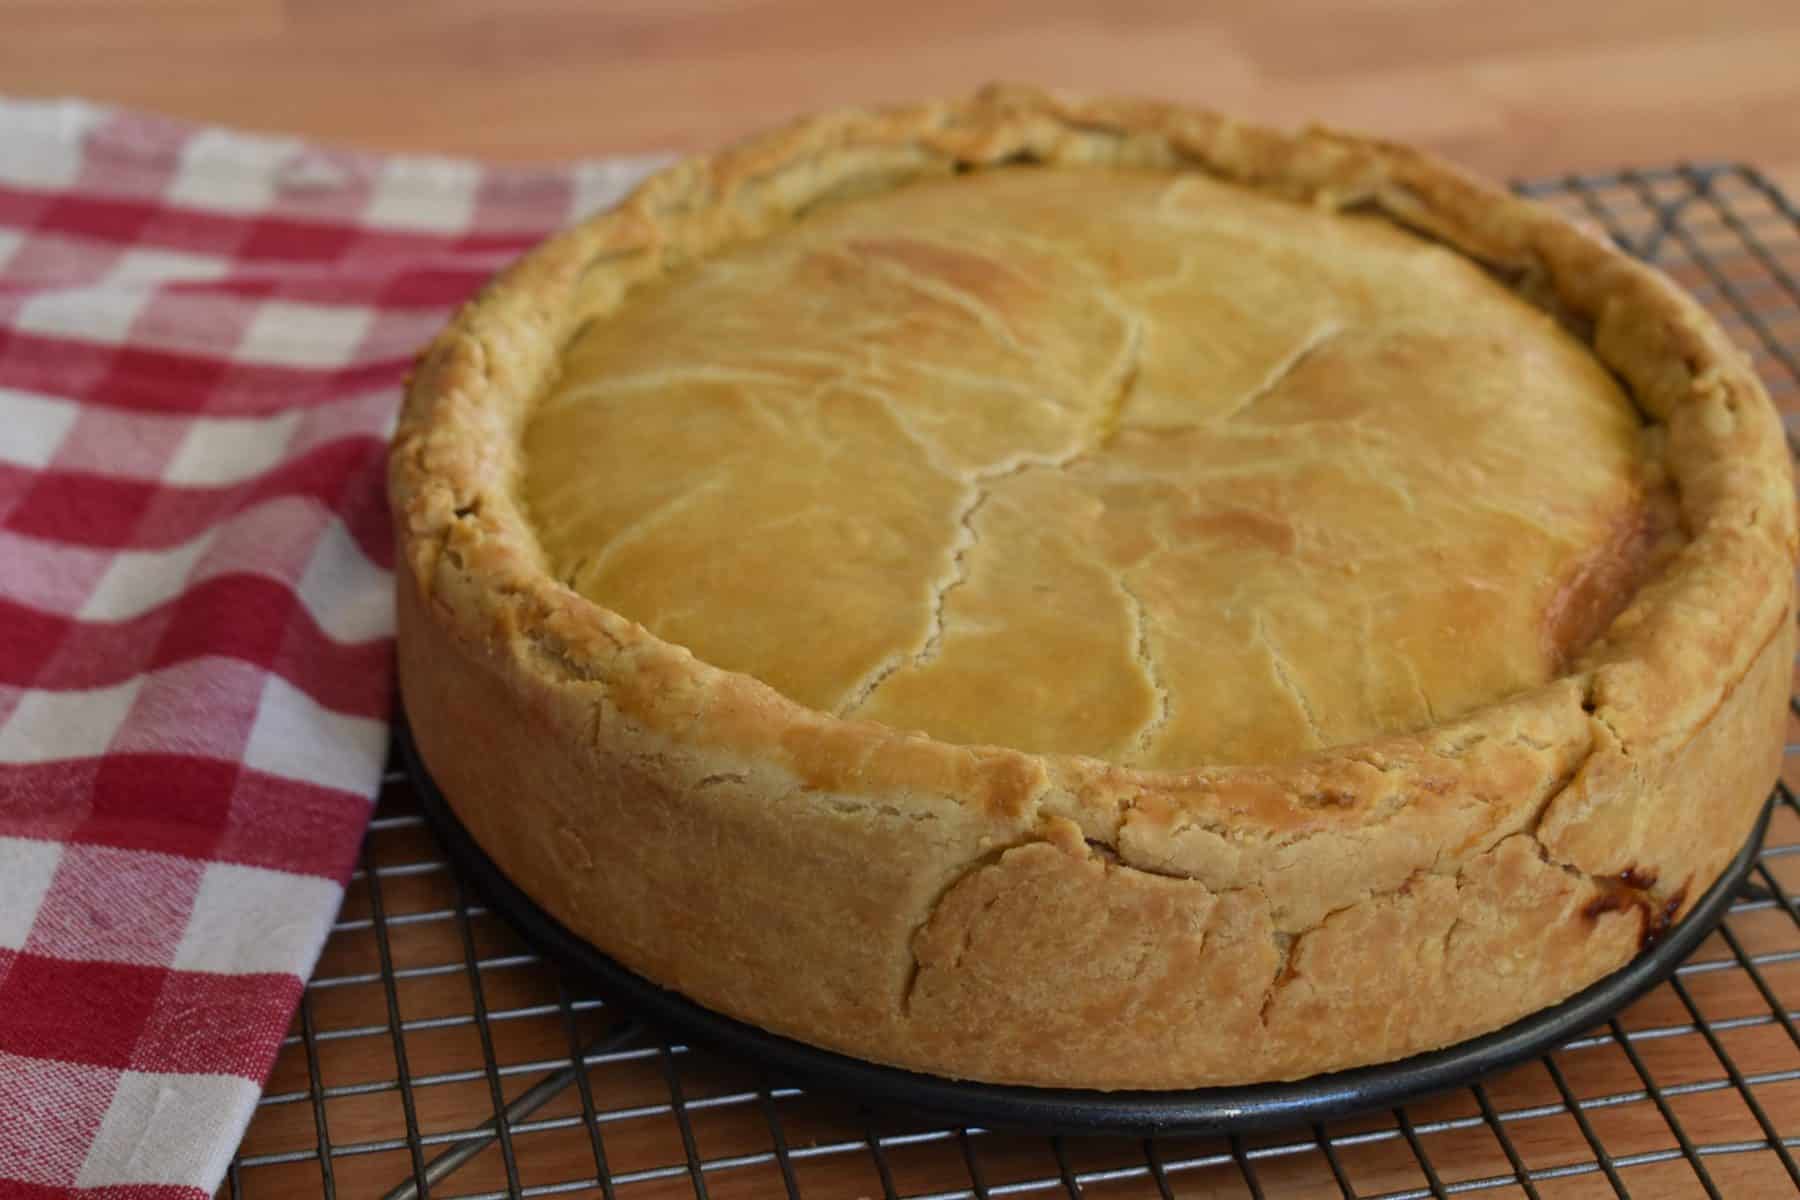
x=1510 y=89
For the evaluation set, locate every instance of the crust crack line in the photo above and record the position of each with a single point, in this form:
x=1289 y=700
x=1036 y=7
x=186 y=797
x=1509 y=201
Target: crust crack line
x=1116 y=395
x=955 y=577
x=966 y=871
x=1282 y=676
x=1308 y=346
x=1159 y=716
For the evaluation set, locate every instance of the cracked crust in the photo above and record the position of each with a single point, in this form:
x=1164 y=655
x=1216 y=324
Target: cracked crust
x=1055 y=919
x=1054 y=475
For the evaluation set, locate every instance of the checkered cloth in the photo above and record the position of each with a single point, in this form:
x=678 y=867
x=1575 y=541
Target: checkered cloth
x=202 y=338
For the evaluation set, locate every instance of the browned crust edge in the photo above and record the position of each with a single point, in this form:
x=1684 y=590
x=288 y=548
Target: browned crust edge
x=857 y=906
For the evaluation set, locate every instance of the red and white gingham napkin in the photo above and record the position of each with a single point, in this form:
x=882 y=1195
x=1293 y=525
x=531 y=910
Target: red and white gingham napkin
x=202 y=339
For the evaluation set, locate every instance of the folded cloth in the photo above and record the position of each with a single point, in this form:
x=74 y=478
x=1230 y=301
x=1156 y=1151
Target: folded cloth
x=202 y=341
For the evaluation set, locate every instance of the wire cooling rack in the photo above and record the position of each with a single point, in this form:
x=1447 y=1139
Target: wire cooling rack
x=433 y=1055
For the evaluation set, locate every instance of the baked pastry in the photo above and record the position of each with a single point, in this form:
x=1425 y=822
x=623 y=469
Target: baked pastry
x=1093 y=593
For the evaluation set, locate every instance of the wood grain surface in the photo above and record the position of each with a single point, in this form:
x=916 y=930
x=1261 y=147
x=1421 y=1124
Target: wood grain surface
x=1509 y=88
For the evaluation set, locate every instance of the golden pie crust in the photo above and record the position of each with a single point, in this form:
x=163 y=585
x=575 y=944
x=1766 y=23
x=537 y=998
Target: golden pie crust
x=1093 y=593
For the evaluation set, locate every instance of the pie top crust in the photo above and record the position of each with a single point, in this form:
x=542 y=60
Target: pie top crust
x=1134 y=464
x=1462 y=680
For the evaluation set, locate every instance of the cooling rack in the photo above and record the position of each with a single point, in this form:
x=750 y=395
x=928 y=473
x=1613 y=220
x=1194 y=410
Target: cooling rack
x=434 y=1055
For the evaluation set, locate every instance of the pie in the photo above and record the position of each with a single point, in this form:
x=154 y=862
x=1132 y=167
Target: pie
x=1093 y=593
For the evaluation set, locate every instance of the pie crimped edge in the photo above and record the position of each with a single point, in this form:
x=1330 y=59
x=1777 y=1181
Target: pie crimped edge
x=985 y=913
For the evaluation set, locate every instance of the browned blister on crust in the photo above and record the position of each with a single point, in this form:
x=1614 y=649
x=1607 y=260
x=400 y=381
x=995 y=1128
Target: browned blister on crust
x=1124 y=881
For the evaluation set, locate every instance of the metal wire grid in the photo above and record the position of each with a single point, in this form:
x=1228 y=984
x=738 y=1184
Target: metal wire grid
x=433 y=1055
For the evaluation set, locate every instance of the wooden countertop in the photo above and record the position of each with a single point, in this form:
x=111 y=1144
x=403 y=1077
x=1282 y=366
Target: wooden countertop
x=1510 y=89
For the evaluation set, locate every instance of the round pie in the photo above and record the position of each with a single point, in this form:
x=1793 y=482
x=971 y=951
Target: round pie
x=1095 y=593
